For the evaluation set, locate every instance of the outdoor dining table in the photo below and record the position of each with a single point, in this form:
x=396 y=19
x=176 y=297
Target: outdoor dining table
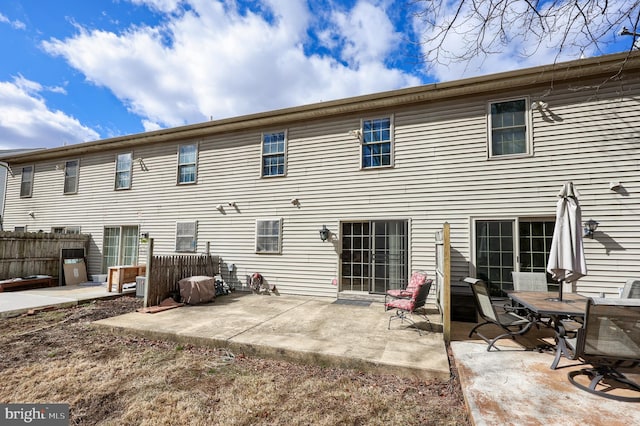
x=547 y=304
x=542 y=304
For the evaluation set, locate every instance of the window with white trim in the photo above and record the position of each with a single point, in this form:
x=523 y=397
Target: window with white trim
x=274 y=153
x=22 y=228
x=187 y=163
x=65 y=230
x=26 y=182
x=186 y=236
x=71 y=175
x=509 y=128
x=377 y=143
x=124 y=167
x=268 y=235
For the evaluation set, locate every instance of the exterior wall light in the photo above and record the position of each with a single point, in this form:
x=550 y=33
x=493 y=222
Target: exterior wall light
x=324 y=233
x=539 y=105
x=590 y=228
x=357 y=133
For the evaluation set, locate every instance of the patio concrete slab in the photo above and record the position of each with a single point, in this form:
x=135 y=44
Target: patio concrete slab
x=516 y=387
x=18 y=302
x=303 y=329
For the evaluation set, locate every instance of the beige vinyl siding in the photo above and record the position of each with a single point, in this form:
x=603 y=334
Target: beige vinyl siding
x=441 y=173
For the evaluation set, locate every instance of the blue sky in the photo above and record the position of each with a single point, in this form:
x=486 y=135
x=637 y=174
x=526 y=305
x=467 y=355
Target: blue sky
x=75 y=71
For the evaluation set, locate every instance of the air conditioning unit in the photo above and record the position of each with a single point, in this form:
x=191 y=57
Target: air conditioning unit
x=140 y=282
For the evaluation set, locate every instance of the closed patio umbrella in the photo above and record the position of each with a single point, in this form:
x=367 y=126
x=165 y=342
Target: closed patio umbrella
x=566 y=258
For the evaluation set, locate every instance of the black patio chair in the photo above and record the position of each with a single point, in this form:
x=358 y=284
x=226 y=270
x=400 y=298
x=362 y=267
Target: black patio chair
x=609 y=341
x=511 y=323
x=406 y=308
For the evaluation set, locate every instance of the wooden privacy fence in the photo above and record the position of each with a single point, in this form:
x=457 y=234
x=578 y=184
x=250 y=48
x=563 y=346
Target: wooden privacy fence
x=164 y=272
x=35 y=253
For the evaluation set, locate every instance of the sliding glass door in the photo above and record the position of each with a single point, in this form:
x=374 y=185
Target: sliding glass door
x=119 y=246
x=374 y=255
x=506 y=245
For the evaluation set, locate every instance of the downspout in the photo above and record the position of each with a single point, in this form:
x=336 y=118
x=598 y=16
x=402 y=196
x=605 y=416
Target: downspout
x=4 y=195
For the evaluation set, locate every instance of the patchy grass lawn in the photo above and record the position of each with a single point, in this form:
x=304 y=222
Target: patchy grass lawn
x=109 y=379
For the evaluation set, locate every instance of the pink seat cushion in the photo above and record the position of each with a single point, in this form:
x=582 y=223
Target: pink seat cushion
x=399 y=293
x=417 y=279
x=404 y=304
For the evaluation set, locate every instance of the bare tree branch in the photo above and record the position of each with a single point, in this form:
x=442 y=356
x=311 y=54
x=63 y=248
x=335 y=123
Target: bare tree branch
x=458 y=31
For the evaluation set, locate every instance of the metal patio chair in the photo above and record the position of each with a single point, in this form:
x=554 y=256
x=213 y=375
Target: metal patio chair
x=529 y=281
x=406 y=308
x=609 y=341
x=511 y=323
x=631 y=289
x=417 y=278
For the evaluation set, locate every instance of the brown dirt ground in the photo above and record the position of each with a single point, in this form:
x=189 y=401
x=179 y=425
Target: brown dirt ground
x=115 y=379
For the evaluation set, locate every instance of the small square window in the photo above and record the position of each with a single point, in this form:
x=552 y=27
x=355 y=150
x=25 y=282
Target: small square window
x=124 y=167
x=187 y=164
x=509 y=128
x=268 y=235
x=71 y=175
x=377 y=143
x=274 y=148
x=26 y=182
x=186 y=237
x=65 y=230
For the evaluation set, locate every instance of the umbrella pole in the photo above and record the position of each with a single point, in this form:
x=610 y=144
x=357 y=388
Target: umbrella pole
x=560 y=290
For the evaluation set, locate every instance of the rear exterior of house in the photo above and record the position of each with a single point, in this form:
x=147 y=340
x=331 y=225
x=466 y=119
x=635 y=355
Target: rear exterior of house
x=381 y=172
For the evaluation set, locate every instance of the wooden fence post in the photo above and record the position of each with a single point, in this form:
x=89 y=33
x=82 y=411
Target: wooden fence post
x=446 y=284
x=147 y=274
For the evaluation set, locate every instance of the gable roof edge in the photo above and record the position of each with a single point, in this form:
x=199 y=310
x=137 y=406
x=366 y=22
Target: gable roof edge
x=606 y=66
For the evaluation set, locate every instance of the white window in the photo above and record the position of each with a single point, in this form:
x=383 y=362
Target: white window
x=268 y=235
x=124 y=166
x=186 y=236
x=274 y=154
x=509 y=128
x=26 y=183
x=22 y=228
x=187 y=163
x=71 y=174
x=65 y=230
x=377 y=143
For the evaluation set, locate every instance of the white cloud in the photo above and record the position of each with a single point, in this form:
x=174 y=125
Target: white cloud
x=18 y=25
x=27 y=122
x=368 y=34
x=165 y=6
x=150 y=126
x=211 y=59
